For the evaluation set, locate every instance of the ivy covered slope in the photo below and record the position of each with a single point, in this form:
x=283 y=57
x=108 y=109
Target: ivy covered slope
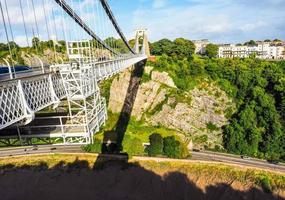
x=235 y=105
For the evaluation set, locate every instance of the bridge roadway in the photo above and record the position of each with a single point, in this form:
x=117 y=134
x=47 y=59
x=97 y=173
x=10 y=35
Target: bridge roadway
x=196 y=156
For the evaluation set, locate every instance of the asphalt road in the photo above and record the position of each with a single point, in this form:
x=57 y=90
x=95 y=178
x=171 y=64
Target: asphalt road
x=201 y=156
x=233 y=159
x=43 y=149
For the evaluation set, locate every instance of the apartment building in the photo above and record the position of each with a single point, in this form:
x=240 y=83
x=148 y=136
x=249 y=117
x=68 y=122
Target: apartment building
x=262 y=50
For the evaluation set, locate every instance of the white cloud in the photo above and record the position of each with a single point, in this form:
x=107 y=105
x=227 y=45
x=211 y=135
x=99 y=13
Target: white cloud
x=218 y=20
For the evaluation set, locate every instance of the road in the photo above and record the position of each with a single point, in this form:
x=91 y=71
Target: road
x=234 y=159
x=199 y=156
x=43 y=149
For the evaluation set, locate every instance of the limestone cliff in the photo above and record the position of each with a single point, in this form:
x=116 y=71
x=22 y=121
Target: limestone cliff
x=199 y=114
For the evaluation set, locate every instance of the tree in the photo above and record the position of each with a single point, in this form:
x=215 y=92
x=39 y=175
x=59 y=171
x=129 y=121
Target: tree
x=35 y=42
x=183 y=48
x=156 y=145
x=160 y=47
x=173 y=148
x=212 y=50
x=250 y=43
x=132 y=43
x=3 y=47
x=180 y=48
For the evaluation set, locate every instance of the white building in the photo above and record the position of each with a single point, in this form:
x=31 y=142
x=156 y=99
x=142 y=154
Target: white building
x=263 y=50
x=201 y=46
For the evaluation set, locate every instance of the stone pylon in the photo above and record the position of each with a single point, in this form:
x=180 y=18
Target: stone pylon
x=141 y=42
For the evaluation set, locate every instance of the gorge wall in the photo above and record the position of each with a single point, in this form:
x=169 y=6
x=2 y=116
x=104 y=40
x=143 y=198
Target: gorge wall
x=197 y=115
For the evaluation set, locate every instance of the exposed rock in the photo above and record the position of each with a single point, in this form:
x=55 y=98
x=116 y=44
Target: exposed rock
x=118 y=91
x=162 y=77
x=148 y=69
x=149 y=95
x=193 y=118
x=190 y=113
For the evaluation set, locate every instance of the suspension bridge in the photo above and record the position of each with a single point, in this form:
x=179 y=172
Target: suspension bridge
x=60 y=100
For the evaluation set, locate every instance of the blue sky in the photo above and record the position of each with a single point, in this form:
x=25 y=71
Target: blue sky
x=218 y=20
x=221 y=21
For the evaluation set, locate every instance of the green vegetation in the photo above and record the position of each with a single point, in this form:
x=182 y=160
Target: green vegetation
x=137 y=133
x=168 y=146
x=251 y=43
x=180 y=48
x=212 y=127
x=105 y=88
x=15 y=54
x=200 y=139
x=266 y=184
x=133 y=146
x=173 y=148
x=212 y=50
x=156 y=145
x=93 y=148
x=118 y=44
x=256 y=126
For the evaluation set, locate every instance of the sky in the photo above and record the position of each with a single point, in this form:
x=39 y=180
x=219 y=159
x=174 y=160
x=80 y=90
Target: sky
x=220 y=21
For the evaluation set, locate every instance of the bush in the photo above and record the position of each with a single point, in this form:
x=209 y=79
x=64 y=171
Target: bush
x=156 y=145
x=173 y=148
x=93 y=148
x=212 y=127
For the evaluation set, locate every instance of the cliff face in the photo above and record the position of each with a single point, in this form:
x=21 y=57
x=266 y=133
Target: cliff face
x=199 y=114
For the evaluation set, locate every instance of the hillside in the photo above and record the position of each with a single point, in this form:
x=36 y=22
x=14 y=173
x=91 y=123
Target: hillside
x=196 y=115
x=232 y=105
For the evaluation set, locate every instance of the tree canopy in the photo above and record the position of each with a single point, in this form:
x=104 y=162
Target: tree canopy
x=212 y=50
x=256 y=127
x=180 y=48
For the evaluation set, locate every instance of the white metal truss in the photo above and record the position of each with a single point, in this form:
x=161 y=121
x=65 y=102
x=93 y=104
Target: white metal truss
x=24 y=94
x=77 y=82
x=20 y=99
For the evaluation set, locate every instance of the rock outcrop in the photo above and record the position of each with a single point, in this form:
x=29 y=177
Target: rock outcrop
x=197 y=113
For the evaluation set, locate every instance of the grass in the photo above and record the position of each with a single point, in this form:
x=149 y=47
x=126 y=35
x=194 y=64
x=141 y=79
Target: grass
x=269 y=181
x=135 y=128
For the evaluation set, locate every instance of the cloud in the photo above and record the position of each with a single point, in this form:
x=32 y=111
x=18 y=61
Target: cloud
x=56 y=23
x=218 y=20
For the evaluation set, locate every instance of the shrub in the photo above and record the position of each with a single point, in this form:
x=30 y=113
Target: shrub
x=156 y=145
x=173 y=148
x=212 y=127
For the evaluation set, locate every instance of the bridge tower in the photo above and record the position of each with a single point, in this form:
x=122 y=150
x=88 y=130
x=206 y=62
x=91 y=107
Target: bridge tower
x=141 y=42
